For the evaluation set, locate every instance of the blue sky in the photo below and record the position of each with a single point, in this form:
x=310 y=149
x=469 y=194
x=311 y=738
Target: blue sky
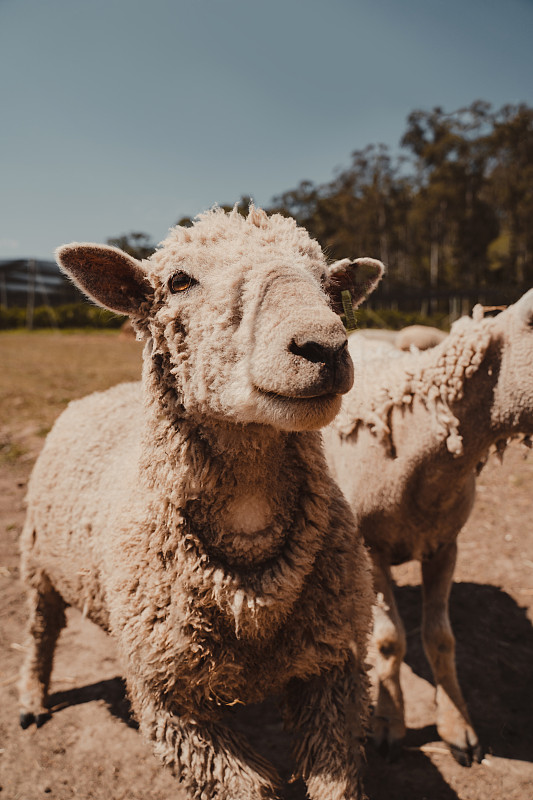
x=120 y=115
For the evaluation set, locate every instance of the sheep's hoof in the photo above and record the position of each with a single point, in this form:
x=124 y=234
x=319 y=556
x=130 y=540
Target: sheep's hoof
x=388 y=735
x=26 y=719
x=390 y=750
x=465 y=756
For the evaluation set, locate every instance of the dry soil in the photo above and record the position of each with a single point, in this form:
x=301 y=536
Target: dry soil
x=91 y=749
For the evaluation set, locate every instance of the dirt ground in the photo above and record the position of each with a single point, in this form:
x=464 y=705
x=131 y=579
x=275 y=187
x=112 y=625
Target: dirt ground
x=91 y=749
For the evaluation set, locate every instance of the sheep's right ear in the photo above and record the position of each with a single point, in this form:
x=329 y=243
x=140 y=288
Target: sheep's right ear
x=107 y=275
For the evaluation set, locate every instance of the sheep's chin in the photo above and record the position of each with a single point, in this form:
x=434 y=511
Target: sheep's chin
x=297 y=413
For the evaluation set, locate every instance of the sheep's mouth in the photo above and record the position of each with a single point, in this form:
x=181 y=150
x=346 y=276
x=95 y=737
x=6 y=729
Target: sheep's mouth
x=296 y=398
x=297 y=412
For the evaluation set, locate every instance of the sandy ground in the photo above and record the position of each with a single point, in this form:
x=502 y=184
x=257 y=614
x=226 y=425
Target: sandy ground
x=91 y=748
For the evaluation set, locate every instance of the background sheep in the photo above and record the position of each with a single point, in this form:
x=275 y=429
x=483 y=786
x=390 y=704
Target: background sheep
x=420 y=336
x=406 y=449
x=376 y=335
x=195 y=519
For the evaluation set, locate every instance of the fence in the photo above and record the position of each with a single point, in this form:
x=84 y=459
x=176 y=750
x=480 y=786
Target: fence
x=26 y=283
x=454 y=303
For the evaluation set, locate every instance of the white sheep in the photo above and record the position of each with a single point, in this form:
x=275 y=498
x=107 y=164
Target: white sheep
x=406 y=449
x=422 y=337
x=193 y=516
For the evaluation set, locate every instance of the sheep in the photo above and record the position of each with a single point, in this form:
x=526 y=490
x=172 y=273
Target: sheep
x=406 y=449
x=420 y=336
x=192 y=515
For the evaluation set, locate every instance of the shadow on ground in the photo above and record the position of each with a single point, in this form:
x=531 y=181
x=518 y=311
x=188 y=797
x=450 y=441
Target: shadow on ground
x=111 y=691
x=494 y=653
x=495 y=667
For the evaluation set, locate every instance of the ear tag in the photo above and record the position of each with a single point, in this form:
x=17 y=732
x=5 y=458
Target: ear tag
x=349 y=314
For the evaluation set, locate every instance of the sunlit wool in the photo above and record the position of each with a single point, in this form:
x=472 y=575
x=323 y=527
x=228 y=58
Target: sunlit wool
x=406 y=448
x=193 y=515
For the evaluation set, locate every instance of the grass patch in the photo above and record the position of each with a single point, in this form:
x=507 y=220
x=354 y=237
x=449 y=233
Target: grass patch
x=10 y=452
x=44 y=430
x=70 y=315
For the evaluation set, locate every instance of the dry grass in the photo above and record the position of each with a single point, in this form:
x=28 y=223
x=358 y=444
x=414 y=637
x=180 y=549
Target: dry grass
x=41 y=372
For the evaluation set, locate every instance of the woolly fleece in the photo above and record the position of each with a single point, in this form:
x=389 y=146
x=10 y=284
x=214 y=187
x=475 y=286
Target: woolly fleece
x=193 y=516
x=406 y=449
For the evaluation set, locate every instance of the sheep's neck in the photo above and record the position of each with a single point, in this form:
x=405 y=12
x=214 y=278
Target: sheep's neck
x=236 y=487
x=435 y=474
x=247 y=509
x=247 y=514
x=479 y=425
x=455 y=384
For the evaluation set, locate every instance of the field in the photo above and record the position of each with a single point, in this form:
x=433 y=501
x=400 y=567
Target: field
x=91 y=749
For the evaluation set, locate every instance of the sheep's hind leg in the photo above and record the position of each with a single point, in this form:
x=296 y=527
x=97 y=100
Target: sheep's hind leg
x=388 y=723
x=47 y=618
x=453 y=721
x=209 y=760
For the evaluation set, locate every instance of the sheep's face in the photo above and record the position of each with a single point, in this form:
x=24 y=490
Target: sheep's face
x=238 y=316
x=513 y=401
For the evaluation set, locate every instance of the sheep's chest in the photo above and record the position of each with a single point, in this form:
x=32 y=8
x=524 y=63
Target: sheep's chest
x=225 y=636
x=234 y=671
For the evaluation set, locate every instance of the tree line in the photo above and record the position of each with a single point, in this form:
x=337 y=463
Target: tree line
x=451 y=211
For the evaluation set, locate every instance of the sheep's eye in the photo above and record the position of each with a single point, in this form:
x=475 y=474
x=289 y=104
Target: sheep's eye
x=180 y=282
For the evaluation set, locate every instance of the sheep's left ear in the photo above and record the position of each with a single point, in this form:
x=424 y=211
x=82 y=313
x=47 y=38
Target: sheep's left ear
x=107 y=275
x=359 y=277
x=525 y=304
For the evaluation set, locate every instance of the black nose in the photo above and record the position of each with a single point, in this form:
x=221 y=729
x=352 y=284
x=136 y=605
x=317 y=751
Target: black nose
x=319 y=353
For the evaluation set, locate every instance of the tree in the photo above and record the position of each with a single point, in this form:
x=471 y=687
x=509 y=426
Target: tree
x=453 y=223
x=137 y=244
x=242 y=207
x=511 y=189
x=451 y=212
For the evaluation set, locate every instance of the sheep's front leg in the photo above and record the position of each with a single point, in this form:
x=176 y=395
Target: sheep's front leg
x=209 y=760
x=453 y=722
x=328 y=717
x=388 y=723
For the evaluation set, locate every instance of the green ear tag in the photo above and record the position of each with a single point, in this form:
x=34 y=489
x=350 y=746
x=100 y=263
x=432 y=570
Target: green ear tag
x=349 y=314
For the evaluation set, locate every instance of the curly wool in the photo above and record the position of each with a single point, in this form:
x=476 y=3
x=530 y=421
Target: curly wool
x=406 y=449
x=194 y=516
x=437 y=378
x=212 y=226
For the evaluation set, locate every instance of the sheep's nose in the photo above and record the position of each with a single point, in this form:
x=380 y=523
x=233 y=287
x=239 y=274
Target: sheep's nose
x=318 y=353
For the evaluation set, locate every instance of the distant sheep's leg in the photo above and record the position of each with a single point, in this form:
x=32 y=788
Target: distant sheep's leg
x=209 y=760
x=328 y=716
x=453 y=722
x=388 y=724
x=47 y=618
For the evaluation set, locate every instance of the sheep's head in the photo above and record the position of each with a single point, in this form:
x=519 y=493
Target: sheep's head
x=240 y=316
x=513 y=396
